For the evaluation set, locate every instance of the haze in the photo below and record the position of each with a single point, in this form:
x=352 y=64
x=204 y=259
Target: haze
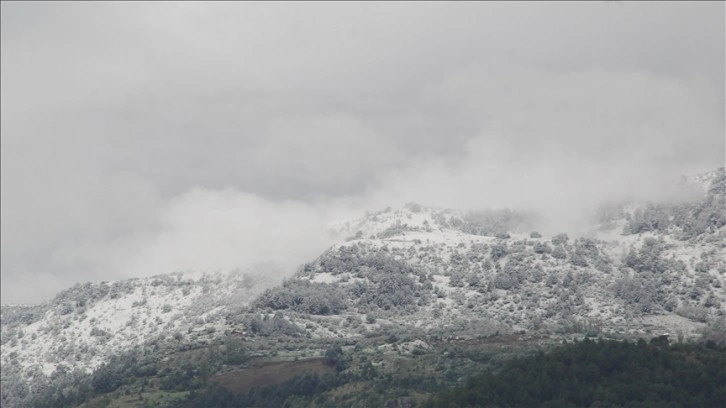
x=144 y=138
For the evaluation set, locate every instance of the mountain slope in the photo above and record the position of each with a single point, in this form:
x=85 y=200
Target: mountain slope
x=643 y=270
x=84 y=326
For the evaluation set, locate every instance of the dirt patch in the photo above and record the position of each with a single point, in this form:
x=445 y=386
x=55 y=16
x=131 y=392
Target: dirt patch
x=492 y=344
x=505 y=339
x=482 y=341
x=270 y=374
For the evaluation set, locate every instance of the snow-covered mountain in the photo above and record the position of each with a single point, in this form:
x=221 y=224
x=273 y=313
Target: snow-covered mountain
x=644 y=270
x=611 y=282
x=83 y=326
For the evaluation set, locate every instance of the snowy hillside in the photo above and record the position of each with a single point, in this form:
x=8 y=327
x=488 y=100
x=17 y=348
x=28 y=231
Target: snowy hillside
x=416 y=218
x=644 y=270
x=85 y=325
x=528 y=282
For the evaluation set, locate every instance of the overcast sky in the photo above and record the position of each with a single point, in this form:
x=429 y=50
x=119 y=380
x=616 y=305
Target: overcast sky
x=143 y=138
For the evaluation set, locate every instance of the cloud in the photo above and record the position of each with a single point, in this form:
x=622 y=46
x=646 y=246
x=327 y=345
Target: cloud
x=563 y=144
x=206 y=230
x=139 y=138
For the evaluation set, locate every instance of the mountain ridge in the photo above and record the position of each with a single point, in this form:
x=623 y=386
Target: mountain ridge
x=656 y=270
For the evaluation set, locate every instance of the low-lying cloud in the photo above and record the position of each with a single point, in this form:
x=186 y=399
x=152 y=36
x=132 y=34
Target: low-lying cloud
x=144 y=139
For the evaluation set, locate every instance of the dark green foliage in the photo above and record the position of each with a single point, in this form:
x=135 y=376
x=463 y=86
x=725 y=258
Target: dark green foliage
x=489 y=222
x=396 y=229
x=643 y=291
x=602 y=374
x=276 y=325
x=640 y=293
x=351 y=259
x=392 y=291
x=505 y=281
x=583 y=374
x=334 y=356
x=559 y=252
x=648 y=257
x=234 y=351
x=515 y=271
x=541 y=248
x=498 y=251
x=107 y=378
x=704 y=216
x=305 y=297
x=651 y=218
x=586 y=253
x=186 y=370
x=389 y=284
x=16 y=315
x=577 y=259
x=560 y=239
x=299 y=388
x=718 y=184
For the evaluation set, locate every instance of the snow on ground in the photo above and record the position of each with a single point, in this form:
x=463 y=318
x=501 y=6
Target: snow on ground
x=671 y=324
x=324 y=277
x=144 y=309
x=192 y=302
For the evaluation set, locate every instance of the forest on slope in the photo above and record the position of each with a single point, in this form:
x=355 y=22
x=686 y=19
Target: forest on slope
x=602 y=374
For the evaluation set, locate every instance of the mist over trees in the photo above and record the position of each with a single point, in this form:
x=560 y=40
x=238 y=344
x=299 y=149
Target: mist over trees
x=689 y=219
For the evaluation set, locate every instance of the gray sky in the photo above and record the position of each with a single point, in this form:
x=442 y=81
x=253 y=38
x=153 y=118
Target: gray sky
x=142 y=138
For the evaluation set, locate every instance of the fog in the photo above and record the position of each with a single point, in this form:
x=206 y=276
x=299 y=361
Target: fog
x=147 y=138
